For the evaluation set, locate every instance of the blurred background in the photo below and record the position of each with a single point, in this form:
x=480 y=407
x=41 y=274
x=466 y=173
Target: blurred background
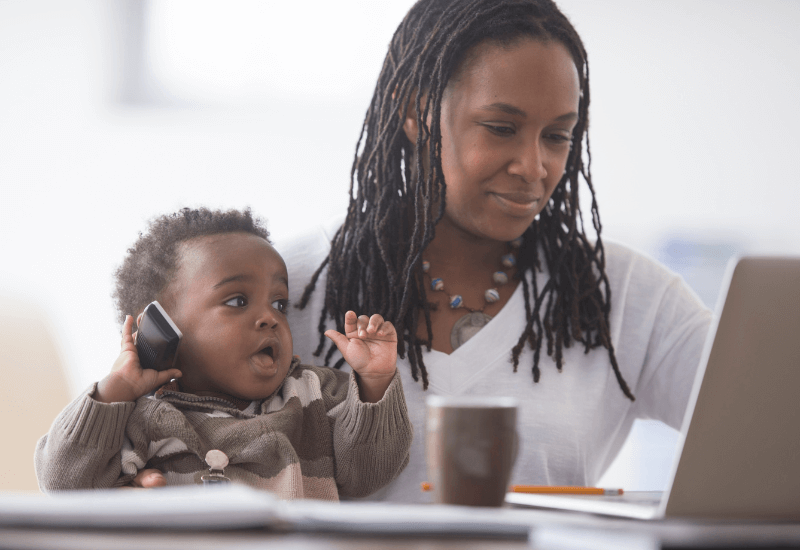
x=113 y=111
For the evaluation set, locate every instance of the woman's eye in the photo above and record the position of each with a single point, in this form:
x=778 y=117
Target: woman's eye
x=281 y=305
x=500 y=130
x=237 y=301
x=559 y=138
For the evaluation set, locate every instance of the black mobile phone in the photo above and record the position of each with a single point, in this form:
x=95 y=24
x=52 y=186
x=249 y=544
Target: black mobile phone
x=157 y=339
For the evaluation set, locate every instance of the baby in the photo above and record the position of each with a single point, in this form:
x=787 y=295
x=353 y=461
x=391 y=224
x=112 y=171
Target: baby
x=297 y=430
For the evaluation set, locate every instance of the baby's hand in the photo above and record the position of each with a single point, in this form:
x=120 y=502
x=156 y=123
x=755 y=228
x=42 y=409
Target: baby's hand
x=369 y=345
x=128 y=381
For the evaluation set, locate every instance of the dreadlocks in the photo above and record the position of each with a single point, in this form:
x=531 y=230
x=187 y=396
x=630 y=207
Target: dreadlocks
x=375 y=259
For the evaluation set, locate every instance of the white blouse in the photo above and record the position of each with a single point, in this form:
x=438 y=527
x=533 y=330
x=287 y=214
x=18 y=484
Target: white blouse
x=571 y=423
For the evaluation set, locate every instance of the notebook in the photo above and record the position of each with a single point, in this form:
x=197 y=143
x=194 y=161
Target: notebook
x=739 y=452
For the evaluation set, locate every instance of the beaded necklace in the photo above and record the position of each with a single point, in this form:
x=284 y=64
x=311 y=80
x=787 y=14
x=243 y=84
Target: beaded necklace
x=469 y=325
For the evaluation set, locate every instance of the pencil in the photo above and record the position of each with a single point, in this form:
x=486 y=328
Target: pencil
x=564 y=490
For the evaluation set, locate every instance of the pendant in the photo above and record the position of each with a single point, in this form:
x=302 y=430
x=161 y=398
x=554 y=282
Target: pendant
x=467 y=327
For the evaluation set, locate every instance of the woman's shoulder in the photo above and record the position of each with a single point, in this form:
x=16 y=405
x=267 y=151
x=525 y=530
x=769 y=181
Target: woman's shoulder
x=636 y=278
x=627 y=264
x=641 y=284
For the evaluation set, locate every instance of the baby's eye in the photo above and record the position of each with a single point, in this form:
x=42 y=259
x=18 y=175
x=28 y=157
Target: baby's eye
x=237 y=301
x=281 y=305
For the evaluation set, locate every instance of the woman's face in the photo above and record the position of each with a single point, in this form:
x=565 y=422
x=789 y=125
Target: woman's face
x=507 y=118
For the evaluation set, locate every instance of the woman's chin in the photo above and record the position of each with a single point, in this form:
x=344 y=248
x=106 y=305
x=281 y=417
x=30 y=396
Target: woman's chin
x=506 y=230
x=501 y=229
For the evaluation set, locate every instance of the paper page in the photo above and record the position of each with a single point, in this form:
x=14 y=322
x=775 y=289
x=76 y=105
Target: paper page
x=226 y=507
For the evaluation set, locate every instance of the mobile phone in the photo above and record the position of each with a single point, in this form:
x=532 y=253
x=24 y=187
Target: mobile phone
x=157 y=339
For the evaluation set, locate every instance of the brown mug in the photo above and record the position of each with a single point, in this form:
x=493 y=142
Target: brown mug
x=471 y=444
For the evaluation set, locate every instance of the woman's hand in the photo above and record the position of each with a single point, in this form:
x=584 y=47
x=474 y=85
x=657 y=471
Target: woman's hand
x=369 y=345
x=128 y=381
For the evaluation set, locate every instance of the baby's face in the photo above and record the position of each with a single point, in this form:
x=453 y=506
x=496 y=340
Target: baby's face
x=229 y=297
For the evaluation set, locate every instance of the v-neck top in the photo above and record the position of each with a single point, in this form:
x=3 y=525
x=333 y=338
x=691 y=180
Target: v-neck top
x=571 y=423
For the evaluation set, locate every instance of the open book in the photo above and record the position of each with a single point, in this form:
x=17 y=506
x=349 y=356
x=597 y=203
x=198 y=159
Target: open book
x=241 y=507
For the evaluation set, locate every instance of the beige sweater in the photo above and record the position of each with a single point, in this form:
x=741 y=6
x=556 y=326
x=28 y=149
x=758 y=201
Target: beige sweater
x=313 y=438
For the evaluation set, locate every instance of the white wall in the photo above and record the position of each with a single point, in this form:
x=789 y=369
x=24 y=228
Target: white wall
x=694 y=131
x=695 y=114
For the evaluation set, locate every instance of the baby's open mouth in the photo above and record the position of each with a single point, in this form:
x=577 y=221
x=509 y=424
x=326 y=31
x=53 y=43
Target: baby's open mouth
x=268 y=351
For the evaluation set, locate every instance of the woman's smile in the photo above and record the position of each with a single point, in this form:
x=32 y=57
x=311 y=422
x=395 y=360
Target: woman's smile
x=517 y=204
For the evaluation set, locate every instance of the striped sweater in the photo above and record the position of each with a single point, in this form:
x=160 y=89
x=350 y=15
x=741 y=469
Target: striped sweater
x=313 y=438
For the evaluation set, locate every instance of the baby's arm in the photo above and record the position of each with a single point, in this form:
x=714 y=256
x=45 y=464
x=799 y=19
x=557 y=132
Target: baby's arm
x=369 y=345
x=128 y=381
x=83 y=448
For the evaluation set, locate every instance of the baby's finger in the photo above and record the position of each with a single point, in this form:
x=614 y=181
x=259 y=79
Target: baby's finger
x=387 y=331
x=363 y=321
x=127 y=339
x=147 y=479
x=374 y=323
x=350 y=322
x=338 y=338
x=167 y=375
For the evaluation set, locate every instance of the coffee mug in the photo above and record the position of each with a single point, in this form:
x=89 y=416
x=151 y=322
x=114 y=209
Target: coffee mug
x=471 y=444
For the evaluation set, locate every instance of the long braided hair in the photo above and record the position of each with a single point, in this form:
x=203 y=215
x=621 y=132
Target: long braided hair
x=375 y=259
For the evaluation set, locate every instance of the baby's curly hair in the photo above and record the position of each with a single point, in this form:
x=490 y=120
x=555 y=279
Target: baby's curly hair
x=151 y=262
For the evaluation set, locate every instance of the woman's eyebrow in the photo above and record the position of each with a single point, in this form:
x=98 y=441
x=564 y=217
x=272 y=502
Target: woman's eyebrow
x=506 y=108
x=567 y=117
x=516 y=111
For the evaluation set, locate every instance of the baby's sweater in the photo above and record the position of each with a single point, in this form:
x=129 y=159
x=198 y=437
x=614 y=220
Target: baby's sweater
x=313 y=438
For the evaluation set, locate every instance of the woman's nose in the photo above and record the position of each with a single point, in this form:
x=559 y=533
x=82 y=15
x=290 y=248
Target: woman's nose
x=529 y=162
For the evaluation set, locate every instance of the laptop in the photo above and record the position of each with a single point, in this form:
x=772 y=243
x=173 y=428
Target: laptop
x=739 y=453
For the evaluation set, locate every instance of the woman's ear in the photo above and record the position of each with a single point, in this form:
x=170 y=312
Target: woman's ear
x=410 y=123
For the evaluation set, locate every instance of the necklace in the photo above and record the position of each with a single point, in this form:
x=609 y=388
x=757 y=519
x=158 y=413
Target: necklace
x=469 y=325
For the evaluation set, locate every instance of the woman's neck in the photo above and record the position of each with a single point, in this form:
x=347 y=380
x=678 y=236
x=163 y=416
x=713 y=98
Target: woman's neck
x=456 y=249
x=465 y=266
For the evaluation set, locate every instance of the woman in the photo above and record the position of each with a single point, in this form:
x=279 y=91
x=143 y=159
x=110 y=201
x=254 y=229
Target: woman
x=464 y=229
x=475 y=137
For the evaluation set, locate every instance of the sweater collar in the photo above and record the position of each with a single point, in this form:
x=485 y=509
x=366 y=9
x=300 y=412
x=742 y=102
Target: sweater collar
x=172 y=390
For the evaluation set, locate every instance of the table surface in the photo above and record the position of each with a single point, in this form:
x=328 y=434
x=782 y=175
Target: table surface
x=66 y=539
x=562 y=535
x=202 y=519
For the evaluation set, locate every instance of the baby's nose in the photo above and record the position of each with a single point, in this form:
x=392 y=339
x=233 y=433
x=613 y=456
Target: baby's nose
x=267 y=318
